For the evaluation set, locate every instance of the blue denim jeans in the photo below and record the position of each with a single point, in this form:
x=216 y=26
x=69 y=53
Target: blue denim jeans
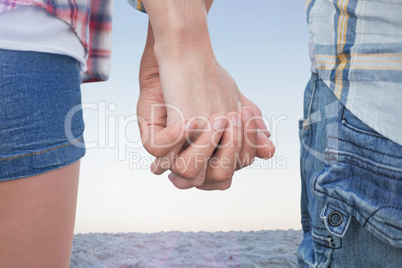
x=41 y=123
x=351 y=201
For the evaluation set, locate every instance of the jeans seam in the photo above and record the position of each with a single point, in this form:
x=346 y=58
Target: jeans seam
x=319 y=228
x=331 y=243
x=317 y=263
x=41 y=152
x=346 y=124
x=311 y=101
x=326 y=246
x=308 y=120
x=316 y=237
x=369 y=149
x=379 y=210
x=368 y=163
x=376 y=173
x=303 y=158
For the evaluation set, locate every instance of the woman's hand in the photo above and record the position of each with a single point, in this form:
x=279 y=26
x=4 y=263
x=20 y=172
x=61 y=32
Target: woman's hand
x=189 y=105
x=179 y=100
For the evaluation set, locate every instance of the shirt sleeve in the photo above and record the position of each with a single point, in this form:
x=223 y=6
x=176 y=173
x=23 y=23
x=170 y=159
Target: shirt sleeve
x=137 y=4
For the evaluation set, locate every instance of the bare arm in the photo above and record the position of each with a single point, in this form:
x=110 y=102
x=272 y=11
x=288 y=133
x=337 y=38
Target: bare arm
x=179 y=26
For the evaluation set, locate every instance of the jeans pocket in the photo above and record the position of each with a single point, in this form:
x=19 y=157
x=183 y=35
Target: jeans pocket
x=364 y=178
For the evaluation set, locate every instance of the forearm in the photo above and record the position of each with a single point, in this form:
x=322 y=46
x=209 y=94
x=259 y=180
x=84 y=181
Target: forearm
x=178 y=25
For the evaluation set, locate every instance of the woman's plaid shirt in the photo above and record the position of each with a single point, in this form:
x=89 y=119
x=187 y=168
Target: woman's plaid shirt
x=91 y=21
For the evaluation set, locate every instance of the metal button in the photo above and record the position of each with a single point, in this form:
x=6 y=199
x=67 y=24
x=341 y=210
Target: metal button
x=335 y=218
x=306 y=124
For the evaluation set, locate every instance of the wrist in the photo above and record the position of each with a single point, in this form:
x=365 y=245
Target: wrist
x=200 y=50
x=179 y=24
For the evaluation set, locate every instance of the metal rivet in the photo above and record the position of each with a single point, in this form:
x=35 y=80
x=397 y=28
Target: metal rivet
x=335 y=218
x=306 y=124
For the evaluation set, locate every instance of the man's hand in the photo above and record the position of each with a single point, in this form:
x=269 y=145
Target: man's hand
x=188 y=106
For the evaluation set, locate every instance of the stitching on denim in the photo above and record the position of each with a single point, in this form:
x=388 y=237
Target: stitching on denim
x=392 y=207
x=391 y=225
x=320 y=256
x=322 y=245
x=374 y=172
x=319 y=228
x=323 y=240
x=312 y=101
x=346 y=124
x=361 y=159
x=41 y=152
x=320 y=237
x=357 y=211
x=327 y=244
x=366 y=148
x=343 y=113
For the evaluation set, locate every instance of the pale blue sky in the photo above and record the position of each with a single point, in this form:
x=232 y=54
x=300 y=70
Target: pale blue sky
x=264 y=45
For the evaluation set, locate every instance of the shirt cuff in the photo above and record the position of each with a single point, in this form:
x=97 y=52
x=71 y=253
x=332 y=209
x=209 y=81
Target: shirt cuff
x=137 y=4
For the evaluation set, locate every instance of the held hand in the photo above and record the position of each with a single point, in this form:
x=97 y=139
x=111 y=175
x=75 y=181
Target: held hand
x=188 y=93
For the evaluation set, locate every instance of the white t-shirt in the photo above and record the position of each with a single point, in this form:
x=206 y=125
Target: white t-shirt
x=31 y=28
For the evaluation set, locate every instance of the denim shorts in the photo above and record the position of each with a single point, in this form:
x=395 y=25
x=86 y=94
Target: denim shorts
x=41 y=123
x=351 y=187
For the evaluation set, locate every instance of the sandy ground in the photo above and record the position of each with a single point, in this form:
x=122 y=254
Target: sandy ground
x=178 y=249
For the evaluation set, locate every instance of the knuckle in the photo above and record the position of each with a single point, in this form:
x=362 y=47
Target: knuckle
x=198 y=182
x=237 y=141
x=225 y=178
x=246 y=164
x=246 y=161
x=154 y=151
x=174 y=135
x=181 y=183
x=221 y=176
x=155 y=169
x=187 y=173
